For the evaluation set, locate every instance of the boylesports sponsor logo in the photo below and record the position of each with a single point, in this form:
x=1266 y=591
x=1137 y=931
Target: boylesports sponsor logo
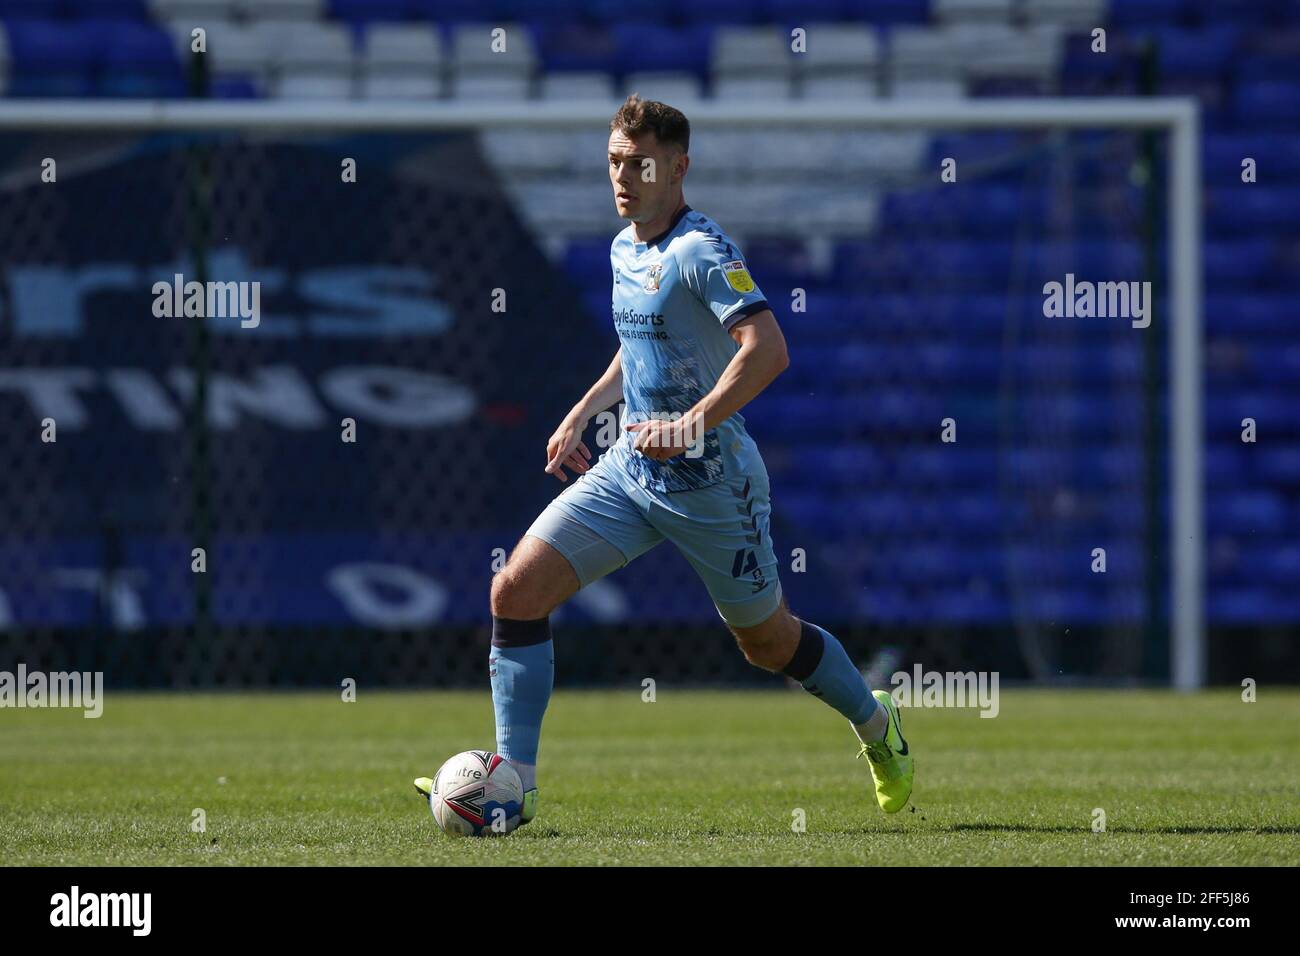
x=632 y=317
x=625 y=318
x=660 y=335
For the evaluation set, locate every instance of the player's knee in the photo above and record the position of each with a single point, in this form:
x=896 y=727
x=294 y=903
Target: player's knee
x=512 y=598
x=765 y=650
x=769 y=645
x=762 y=653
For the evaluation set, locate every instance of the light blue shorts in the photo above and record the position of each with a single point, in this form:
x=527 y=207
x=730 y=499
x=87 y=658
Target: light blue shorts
x=604 y=520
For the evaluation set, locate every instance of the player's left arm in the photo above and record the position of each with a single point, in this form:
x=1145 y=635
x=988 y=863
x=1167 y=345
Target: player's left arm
x=762 y=356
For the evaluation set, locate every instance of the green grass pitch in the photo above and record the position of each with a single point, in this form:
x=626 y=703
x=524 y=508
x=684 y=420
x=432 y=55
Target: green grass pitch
x=695 y=777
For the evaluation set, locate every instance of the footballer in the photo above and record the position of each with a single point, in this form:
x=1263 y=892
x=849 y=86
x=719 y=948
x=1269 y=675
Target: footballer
x=698 y=341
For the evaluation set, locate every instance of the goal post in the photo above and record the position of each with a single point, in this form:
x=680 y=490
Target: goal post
x=1177 y=117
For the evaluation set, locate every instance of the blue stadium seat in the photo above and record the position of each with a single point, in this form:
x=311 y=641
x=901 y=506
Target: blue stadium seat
x=796 y=12
x=856 y=259
x=1277 y=156
x=940 y=563
x=536 y=11
x=586 y=260
x=33 y=9
x=1247 y=605
x=957 y=317
x=1268 y=105
x=1082 y=64
x=1269 y=361
x=614 y=12
x=367 y=11
x=802 y=419
x=1289 y=358
x=1280 y=466
x=1263 y=69
x=138 y=60
x=1239 y=265
x=904 y=407
x=806 y=509
x=946 y=466
x=990 y=209
x=836 y=314
x=932 y=265
x=980 y=514
x=882 y=510
x=455 y=11
x=233 y=88
x=963 y=607
x=1101 y=465
x=1145 y=12
x=1269 y=314
x=887 y=605
x=1202 y=53
x=1254 y=13
x=650 y=48
x=1278 y=565
x=715 y=13
x=959 y=262
x=1097 y=259
x=577 y=47
x=888 y=12
x=109 y=9
x=779 y=264
x=1226 y=408
x=51 y=58
x=1261 y=512
x=1213 y=93
x=597 y=302
x=1254 y=208
x=847 y=463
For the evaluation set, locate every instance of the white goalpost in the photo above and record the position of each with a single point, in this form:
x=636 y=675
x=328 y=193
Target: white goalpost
x=1179 y=118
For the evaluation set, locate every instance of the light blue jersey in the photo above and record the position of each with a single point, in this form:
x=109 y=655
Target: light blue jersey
x=675 y=298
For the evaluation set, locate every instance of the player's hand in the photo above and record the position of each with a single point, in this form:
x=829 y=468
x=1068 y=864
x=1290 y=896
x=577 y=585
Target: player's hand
x=567 y=449
x=661 y=440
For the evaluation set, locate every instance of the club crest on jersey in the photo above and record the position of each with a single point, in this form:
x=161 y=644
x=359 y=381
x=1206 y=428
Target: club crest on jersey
x=653 y=275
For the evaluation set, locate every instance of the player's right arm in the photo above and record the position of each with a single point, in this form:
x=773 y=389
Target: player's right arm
x=566 y=447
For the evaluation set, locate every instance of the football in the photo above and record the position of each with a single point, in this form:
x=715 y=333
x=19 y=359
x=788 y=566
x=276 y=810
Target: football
x=476 y=793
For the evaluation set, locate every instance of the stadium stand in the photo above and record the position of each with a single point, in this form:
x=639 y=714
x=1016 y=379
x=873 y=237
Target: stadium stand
x=868 y=252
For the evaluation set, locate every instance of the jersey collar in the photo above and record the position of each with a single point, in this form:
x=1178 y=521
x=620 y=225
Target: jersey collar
x=643 y=246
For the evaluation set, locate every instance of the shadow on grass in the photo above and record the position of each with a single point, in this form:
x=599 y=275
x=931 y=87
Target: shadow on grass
x=1033 y=828
x=552 y=833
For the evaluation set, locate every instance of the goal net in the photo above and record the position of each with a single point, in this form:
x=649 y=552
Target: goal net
x=277 y=385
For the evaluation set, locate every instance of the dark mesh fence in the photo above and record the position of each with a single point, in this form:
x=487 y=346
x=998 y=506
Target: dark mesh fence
x=372 y=558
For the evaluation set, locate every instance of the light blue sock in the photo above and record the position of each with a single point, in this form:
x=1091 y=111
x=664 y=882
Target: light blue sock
x=822 y=666
x=522 y=677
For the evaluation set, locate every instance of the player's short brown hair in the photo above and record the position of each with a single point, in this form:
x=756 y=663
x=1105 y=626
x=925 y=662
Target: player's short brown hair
x=638 y=116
